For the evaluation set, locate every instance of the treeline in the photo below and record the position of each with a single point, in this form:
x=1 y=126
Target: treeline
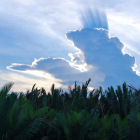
x=75 y=114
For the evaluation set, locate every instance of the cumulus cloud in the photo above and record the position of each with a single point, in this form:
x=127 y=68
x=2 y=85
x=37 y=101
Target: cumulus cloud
x=103 y=57
x=105 y=54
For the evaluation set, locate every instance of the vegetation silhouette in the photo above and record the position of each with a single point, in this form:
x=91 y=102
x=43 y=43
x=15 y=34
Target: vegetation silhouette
x=76 y=114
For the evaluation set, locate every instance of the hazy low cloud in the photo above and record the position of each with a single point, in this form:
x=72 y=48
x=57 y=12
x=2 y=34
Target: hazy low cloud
x=24 y=81
x=62 y=69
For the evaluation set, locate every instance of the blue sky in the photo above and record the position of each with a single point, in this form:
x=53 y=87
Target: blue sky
x=47 y=42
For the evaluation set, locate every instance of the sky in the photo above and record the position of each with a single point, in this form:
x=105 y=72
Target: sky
x=60 y=42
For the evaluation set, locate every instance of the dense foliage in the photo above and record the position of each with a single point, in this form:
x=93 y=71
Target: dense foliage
x=78 y=114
